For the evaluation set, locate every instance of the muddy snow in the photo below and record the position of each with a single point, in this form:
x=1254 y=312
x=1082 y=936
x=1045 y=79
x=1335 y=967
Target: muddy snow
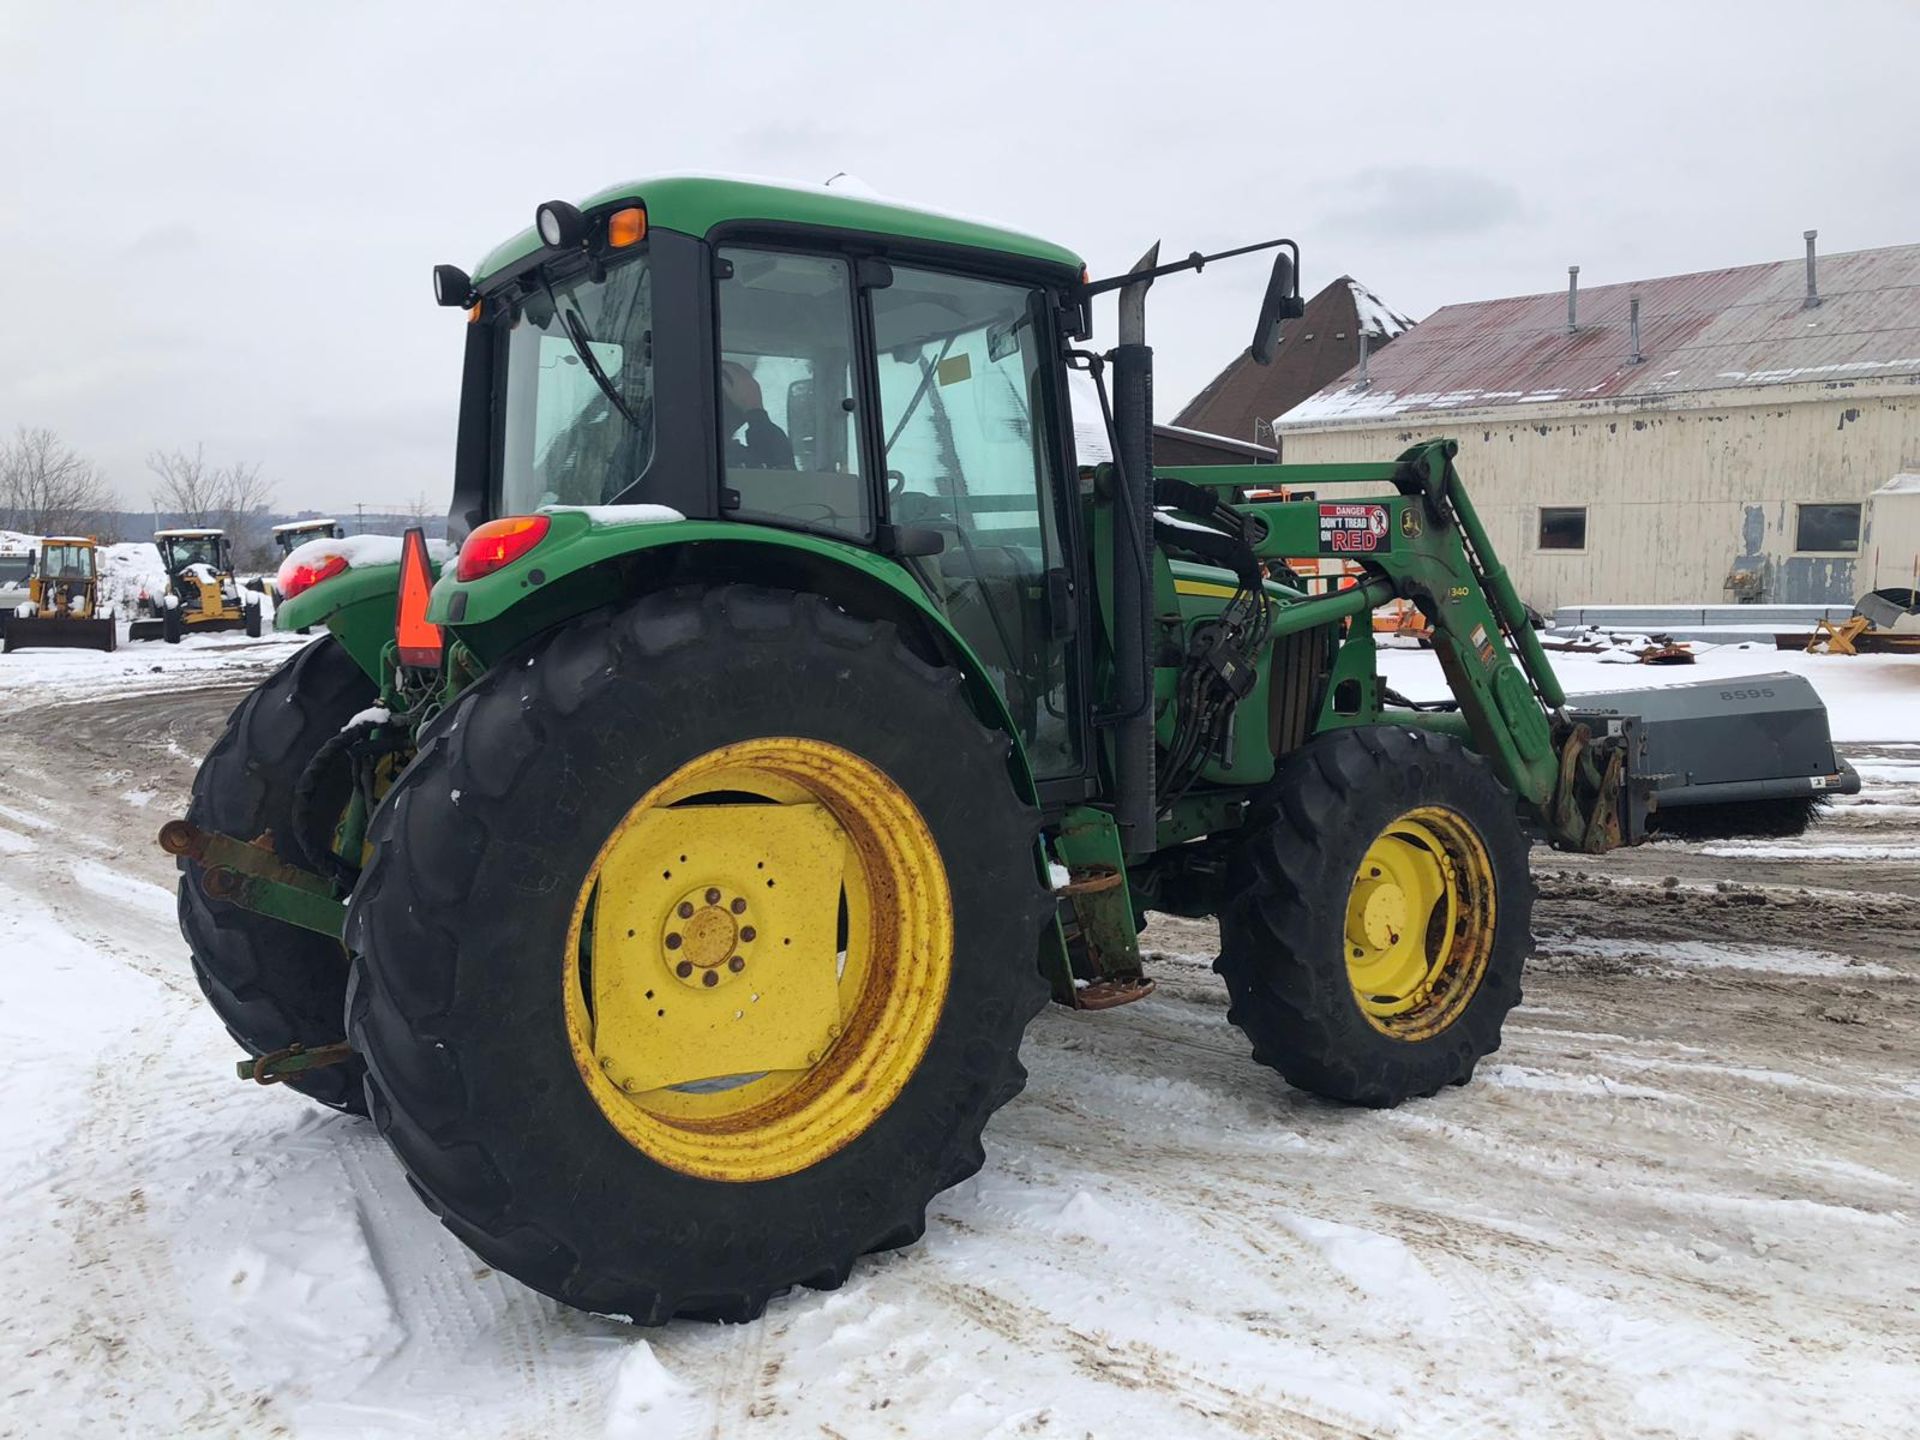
x=1680 y=1201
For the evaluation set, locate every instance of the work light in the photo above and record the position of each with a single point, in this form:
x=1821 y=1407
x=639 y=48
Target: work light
x=560 y=225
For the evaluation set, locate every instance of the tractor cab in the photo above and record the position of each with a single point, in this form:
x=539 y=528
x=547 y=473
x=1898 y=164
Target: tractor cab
x=904 y=396
x=184 y=550
x=290 y=536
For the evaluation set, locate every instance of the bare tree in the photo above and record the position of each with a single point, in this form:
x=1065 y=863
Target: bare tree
x=46 y=489
x=233 y=497
x=242 y=496
x=187 y=486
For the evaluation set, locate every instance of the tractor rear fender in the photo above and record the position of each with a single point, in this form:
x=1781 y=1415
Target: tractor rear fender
x=593 y=558
x=357 y=605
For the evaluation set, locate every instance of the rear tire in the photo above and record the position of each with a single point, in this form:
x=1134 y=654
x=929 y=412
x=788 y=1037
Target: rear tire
x=460 y=997
x=273 y=984
x=1287 y=934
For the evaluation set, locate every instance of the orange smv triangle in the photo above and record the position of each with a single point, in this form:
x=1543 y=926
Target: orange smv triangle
x=417 y=637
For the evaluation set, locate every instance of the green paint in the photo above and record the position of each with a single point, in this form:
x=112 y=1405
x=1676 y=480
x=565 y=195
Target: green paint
x=695 y=204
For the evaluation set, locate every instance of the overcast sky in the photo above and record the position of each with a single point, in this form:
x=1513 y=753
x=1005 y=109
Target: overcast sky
x=219 y=219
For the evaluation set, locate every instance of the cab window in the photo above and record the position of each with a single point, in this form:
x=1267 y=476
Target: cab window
x=964 y=420
x=789 y=425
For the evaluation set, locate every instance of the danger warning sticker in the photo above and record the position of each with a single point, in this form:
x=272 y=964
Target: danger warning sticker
x=1354 y=529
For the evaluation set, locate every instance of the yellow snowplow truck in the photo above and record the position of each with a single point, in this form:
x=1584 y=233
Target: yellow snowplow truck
x=200 y=593
x=63 y=606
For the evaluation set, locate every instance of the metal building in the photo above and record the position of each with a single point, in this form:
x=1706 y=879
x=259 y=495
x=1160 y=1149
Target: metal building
x=1695 y=439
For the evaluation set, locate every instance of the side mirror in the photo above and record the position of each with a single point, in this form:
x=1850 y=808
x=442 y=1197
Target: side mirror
x=1282 y=302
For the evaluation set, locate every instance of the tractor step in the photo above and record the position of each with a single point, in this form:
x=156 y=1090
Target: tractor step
x=1110 y=994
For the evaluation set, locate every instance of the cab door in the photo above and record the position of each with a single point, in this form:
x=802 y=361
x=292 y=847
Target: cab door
x=967 y=398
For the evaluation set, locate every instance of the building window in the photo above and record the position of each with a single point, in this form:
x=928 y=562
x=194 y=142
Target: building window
x=1563 y=527
x=1833 y=528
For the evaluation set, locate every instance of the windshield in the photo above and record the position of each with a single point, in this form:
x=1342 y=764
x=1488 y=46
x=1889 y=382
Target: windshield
x=573 y=436
x=292 y=540
x=198 y=550
x=68 y=562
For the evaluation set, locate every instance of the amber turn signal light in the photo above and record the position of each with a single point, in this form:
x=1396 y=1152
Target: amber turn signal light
x=626 y=227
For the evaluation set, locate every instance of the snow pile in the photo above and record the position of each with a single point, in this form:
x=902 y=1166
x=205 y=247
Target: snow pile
x=127 y=569
x=648 y=1400
x=307 y=1312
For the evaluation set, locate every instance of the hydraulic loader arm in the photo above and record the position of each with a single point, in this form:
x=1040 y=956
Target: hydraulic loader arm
x=1425 y=543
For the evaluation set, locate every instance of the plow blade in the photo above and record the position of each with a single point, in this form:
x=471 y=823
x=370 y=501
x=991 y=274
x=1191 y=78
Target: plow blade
x=40 y=633
x=1751 y=755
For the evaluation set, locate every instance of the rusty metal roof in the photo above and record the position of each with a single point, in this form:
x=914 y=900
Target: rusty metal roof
x=1716 y=330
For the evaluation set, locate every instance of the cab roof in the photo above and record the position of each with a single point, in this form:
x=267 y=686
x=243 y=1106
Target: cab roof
x=694 y=204
x=287 y=525
x=188 y=534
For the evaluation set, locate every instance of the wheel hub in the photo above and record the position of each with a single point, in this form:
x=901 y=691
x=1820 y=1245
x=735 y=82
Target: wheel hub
x=705 y=937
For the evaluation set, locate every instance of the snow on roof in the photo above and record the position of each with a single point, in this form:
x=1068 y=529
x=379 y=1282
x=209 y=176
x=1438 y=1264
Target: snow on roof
x=1375 y=318
x=1905 y=483
x=186 y=534
x=1714 y=330
x=287 y=525
x=1313 y=349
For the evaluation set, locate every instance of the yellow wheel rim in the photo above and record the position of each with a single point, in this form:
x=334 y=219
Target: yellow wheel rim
x=758 y=959
x=1420 y=923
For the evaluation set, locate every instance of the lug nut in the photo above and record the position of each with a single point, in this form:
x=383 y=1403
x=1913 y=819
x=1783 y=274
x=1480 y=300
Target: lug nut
x=673 y=941
x=736 y=964
x=747 y=932
x=685 y=912
x=713 y=897
x=711 y=978
x=739 y=907
x=683 y=969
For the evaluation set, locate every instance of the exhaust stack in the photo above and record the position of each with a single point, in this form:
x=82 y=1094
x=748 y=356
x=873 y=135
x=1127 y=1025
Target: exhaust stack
x=1363 y=382
x=1812 y=302
x=1633 y=331
x=1136 y=809
x=1573 y=298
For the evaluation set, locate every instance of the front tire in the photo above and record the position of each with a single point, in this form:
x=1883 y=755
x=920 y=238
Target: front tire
x=1380 y=917
x=511 y=918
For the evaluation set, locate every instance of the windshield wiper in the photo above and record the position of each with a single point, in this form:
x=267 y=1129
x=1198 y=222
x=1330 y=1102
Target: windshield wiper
x=582 y=341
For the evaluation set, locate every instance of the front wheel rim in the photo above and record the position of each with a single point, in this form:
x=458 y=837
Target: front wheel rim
x=1419 y=928
x=815 y=1002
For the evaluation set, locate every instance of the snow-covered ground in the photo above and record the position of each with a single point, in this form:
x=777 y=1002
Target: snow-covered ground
x=1680 y=1201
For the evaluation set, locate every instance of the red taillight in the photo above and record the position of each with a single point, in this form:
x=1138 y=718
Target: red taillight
x=297 y=575
x=499 y=543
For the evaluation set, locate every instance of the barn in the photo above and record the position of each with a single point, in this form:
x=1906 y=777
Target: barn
x=1695 y=439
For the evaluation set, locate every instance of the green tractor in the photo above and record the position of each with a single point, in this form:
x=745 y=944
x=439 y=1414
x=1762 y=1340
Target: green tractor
x=672 y=874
